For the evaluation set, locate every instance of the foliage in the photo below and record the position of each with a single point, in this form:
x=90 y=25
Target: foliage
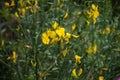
x=59 y=40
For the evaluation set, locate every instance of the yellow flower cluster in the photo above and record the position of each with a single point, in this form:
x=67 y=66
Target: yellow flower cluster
x=14 y=57
x=75 y=73
x=57 y=33
x=25 y=5
x=93 y=13
x=7 y=4
x=92 y=49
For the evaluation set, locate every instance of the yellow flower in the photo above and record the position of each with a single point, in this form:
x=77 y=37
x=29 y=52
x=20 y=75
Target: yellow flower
x=14 y=57
x=64 y=52
x=23 y=11
x=75 y=36
x=55 y=25
x=2 y=42
x=33 y=63
x=73 y=27
x=16 y=14
x=7 y=4
x=89 y=50
x=66 y=15
x=95 y=48
x=12 y=3
x=74 y=74
x=45 y=38
x=58 y=1
x=77 y=59
x=88 y=23
x=8 y=58
x=80 y=71
x=60 y=32
x=51 y=34
x=54 y=40
x=93 y=13
x=94 y=7
x=107 y=30
x=22 y=3
x=67 y=37
x=101 y=78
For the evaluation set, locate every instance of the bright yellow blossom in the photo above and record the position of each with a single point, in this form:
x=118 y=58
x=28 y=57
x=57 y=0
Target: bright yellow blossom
x=7 y=4
x=101 y=78
x=55 y=25
x=16 y=14
x=67 y=37
x=77 y=59
x=95 y=48
x=60 y=31
x=14 y=57
x=45 y=38
x=12 y=3
x=66 y=15
x=73 y=27
x=74 y=74
x=75 y=36
x=80 y=71
x=64 y=52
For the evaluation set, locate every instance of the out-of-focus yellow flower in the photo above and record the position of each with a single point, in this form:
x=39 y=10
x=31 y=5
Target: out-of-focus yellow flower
x=60 y=31
x=23 y=11
x=12 y=3
x=16 y=14
x=80 y=71
x=74 y=74
x=67 y=37
x=45 y=38
x=77 y=59
x=2 y=42
x=33 y=63
x=14 y=57
x=88 y=23
x=73 y=27
x=75 y=36
x=95 y=48
x=94 y=7
x=107 y=30
x=64 y=52
x=55 y=25
x=58 y=1
x=8 y=58
x=101 y=78
x=89 y=50
x=7 y=4
x=22 y=3
x=66 y=15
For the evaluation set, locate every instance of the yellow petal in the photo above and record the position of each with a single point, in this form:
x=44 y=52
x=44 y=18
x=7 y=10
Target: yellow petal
x=2 y=42
x=80 y=71
x=7 y=4
x=74 y=74
x=75 y=36
x=66 y=15
x=101 y=78
x=73 y=27
x=14 y=57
